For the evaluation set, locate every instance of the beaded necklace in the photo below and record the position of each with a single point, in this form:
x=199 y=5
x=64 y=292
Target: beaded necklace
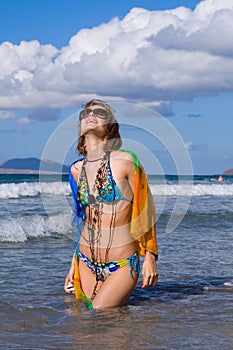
x=103 y=186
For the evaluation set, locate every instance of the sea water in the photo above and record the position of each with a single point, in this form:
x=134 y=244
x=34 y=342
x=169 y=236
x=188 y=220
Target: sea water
x=191 y=307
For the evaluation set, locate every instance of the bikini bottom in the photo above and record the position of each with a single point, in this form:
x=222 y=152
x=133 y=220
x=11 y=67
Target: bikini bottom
x=104 y=270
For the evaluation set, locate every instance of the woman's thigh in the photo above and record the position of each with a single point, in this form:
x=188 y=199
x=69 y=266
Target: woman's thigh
x=88 y=279
x=116 y=290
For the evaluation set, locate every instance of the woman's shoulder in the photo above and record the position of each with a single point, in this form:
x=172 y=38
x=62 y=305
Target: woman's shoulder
x=125 y=155
x=128 y=156
x=125 y=159
x=77 y=161
x=75 y=166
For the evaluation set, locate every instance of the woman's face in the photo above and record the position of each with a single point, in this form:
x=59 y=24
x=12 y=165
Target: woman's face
x=93 y=118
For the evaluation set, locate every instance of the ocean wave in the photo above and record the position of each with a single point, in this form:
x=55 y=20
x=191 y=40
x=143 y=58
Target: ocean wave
x=34 y=189
x=20 y=229
x=228 y=284
x=188 y=190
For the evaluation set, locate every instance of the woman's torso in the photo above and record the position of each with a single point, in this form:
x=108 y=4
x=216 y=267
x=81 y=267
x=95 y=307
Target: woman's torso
x=111 y=228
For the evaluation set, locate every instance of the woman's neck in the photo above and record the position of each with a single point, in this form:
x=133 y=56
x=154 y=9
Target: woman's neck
x=95 y=148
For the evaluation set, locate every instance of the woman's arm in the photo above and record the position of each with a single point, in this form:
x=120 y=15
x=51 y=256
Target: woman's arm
x=149 y=271
x=70 y=277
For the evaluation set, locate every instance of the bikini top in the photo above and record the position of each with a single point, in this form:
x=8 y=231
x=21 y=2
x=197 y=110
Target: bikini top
x=105 y=185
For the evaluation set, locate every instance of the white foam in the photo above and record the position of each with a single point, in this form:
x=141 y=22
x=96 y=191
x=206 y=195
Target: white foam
x=192 y=190
x=33 y=189
x=22 y=228
x=228 y=284
x=25 y=189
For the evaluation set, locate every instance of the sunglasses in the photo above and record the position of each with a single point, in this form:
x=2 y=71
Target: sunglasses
x=98 y=112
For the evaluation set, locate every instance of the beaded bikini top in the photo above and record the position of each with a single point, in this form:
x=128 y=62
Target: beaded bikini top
x=105 y=186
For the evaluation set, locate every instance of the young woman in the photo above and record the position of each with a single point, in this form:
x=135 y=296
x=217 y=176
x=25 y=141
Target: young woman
x=115 y=214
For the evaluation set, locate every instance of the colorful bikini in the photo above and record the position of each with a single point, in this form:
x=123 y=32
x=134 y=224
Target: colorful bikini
x=104 y=270
x=108 y=191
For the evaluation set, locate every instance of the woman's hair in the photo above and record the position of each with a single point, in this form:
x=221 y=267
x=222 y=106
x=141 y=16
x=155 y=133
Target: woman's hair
x=112 y=138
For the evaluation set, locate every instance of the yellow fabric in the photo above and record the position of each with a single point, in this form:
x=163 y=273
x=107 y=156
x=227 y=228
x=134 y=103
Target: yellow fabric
x=77 y=286
x=143 y=227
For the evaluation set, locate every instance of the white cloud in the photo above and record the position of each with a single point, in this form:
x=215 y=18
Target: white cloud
x=24 y=121
x=148 y=57
x=190 y=146
x=43 y=114
x=193 y=115
x=6 y=114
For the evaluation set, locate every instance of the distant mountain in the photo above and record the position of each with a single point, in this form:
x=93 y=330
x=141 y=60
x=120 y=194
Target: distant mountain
x=32 y=165
x=228 y=172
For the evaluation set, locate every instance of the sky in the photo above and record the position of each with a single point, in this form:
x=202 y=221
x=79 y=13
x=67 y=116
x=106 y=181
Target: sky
x=165 y=66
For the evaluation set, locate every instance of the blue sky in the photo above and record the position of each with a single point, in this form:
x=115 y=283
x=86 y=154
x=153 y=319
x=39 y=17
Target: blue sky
x=174 y=57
